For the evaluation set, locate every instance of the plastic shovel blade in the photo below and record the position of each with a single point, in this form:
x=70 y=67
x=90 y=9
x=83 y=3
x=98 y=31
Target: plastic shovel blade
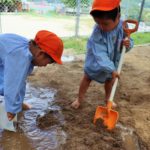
x=4 y=122
x=108 y=116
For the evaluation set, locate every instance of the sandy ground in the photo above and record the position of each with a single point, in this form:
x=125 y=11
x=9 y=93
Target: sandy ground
x=28 y=26
x=132 y=97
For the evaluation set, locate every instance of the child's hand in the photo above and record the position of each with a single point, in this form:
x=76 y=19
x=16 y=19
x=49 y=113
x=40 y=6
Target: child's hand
x=75 y=104
x=126 y=43
x=115 y=75
x=10 y=116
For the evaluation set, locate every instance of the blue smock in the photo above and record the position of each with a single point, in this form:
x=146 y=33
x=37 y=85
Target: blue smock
x=15 y=66
x=103 y=53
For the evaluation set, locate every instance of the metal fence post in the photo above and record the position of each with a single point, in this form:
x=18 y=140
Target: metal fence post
x=141 y=10
x=78 y=6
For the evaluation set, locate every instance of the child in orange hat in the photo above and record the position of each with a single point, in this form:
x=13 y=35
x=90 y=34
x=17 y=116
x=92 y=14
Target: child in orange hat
x=103 y=48
x=17 y=58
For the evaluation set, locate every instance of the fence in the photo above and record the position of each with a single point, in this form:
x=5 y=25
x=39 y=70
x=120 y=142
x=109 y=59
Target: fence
x=64 y=17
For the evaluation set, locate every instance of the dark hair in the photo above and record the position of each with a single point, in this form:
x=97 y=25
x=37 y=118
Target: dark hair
x=33 y=42
x=112 y=14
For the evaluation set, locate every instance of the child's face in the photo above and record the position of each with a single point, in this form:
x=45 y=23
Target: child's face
x=42 y=59
x=107 y=24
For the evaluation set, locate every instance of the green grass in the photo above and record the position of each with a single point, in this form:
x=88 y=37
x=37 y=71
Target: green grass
x=49 y=14
x=141 y=38
x=78 y=45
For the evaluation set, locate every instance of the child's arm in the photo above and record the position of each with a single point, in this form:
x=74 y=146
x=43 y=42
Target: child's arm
x=15 y=74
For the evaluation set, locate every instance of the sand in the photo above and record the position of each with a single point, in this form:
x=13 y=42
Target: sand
x=132 y=97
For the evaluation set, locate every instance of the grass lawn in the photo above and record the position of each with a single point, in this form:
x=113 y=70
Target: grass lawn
x=78 y=45
x=141 y=38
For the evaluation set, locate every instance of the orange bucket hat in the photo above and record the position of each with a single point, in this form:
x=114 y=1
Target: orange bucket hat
x=105 y=5
x=50 y=43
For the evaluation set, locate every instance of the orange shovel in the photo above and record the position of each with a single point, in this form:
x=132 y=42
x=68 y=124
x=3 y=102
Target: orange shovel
x=107 y=114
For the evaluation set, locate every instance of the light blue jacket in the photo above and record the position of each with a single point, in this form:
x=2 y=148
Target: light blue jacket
x=15 y=66
x=103 y=53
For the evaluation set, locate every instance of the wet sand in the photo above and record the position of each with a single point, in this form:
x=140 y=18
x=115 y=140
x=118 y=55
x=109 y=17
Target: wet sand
x=39 y=128
x=132 y=97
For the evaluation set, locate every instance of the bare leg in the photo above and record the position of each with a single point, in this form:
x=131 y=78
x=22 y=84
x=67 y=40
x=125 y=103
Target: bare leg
x=108 y=86
x=10 y=116
x=26 y=106
x=82 y=90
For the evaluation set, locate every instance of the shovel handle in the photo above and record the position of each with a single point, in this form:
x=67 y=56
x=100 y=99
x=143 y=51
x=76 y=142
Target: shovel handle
x=118 y=70
x=128 y=32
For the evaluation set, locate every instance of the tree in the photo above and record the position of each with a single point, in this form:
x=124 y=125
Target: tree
x=73 y=3
x=10 y=5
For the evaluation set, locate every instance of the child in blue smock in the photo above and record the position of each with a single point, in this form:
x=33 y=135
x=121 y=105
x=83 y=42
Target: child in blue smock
x=103 y=48
x=18 y=56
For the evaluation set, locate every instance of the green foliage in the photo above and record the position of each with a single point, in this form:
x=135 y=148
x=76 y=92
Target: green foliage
x=73 y=3
x=9 y=1
x=131 y=9
x=11 y=5
x=146 y=15
x=78 y=45
x=147 y=4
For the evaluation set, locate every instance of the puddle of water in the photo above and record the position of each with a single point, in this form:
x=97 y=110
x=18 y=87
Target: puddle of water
x=129 y=138
x=67 y=58
x=32 y=136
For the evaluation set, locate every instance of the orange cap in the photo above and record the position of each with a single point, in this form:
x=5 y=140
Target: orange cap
x=50 y=43
x=105 y=5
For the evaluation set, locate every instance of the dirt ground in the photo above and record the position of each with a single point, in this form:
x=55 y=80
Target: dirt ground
x=132 y=97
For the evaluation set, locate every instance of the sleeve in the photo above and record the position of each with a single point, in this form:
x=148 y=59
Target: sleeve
x=15 y=74
x=97 y=48
x=1 y=80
